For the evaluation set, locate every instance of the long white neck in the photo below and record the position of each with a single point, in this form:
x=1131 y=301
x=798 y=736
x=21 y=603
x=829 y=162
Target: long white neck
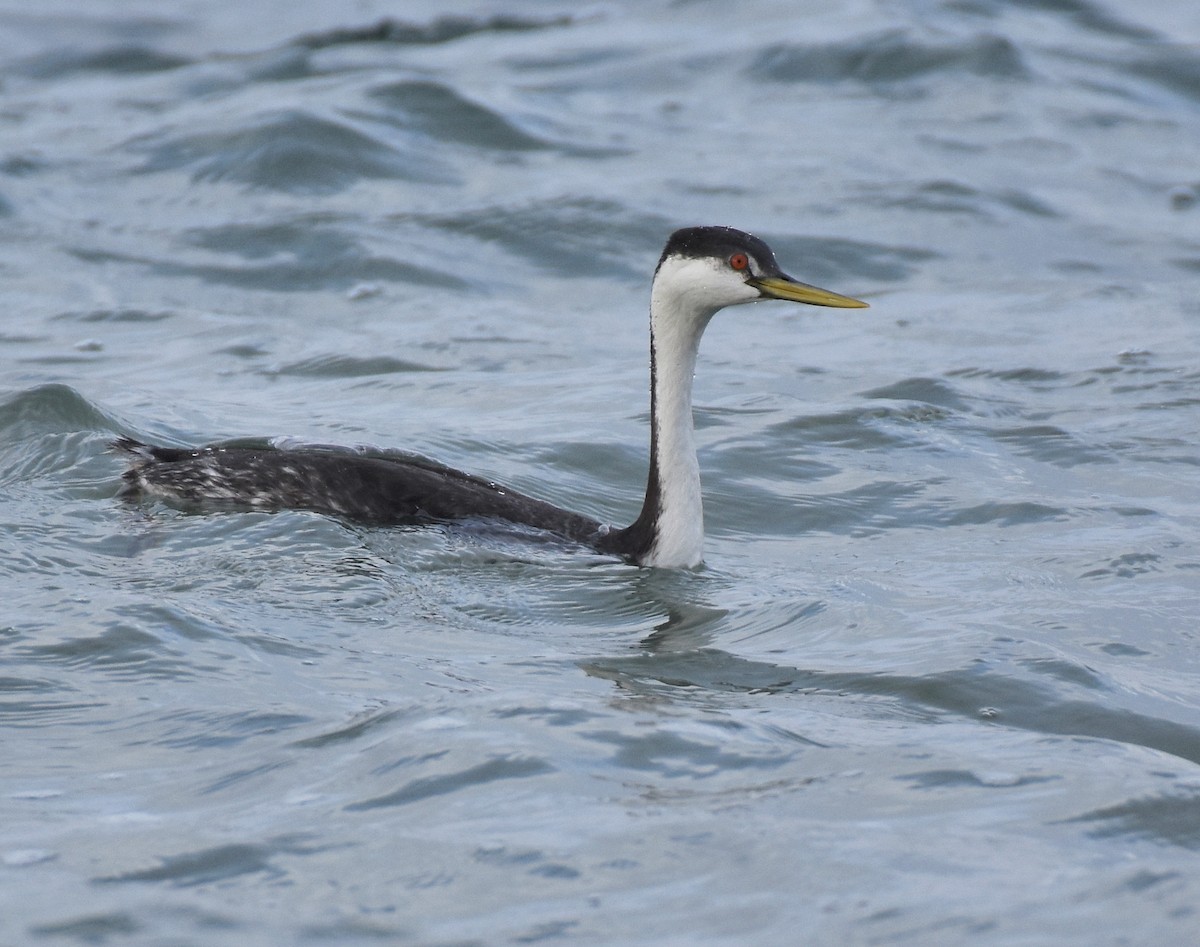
x=674 y=506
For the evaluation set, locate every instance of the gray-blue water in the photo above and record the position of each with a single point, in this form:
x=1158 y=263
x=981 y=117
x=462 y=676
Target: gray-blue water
x=939 y=681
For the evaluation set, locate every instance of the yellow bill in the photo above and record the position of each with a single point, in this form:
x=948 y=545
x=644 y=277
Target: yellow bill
x=783 y=287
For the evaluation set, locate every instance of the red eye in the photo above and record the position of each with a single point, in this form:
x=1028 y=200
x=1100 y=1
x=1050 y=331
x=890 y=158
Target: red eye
x=739 y=261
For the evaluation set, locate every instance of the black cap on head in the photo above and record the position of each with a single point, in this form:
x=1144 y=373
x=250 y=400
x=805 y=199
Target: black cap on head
x=719 y=242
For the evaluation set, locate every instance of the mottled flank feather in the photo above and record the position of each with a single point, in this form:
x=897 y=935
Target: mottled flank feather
x=380 y=490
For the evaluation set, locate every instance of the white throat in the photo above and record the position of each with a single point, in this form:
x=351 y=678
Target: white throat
x=687 y=292
x=678 y=319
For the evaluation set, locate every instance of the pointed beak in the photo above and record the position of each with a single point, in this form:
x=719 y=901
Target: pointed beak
x=784 y=287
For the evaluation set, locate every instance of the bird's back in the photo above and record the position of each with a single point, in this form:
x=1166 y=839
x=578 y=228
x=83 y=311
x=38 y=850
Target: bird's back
x=379 y=489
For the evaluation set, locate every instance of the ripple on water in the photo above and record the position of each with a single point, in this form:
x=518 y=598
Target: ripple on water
x=930 y=391
x=991 y=695
x=120 y=651
x=442 y=29
x=954 y=197
x=1172 y=67
x=503 y=582
x=28 y=713
x=294 y=151
x=362 y=725
x=116 y=60
x=1050 y=444
x=675 y=750
x=348 y=366
x=303 y=252
x=295 y=255
x=858 y=427
x=214 y=865
x=444 y=115
x=1126 y=566
x=829 y=258
x=582 y=236
x=956 y=778
x=49 y=408
x=51 y=434
x=499 y=768
x=889 y=57
x=866 y=509
x=1031 y=377
x=201 y=730
x=94 y=928
x=123 y=314
x=1171 y=819
x=1001 y=514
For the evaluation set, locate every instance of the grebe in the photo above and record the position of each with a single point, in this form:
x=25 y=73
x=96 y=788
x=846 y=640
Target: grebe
x=701 y=270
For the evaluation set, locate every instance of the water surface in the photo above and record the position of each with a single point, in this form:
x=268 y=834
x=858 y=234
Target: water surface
x=937 y=682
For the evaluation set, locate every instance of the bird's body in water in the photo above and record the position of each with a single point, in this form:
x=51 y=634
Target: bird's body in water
x=702 y=270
